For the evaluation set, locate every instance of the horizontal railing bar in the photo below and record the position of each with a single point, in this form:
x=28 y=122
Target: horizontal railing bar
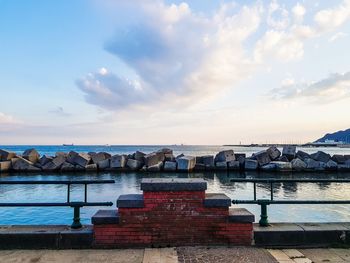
x=272 y=180
x=71 y=204
x=291 y=201
x=60 y=182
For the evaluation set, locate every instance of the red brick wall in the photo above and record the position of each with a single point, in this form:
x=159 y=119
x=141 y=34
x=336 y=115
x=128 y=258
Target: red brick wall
x=171 y=219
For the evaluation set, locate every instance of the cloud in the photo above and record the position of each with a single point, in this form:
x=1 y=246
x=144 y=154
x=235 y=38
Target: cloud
x=333 y=88
x=337 y=36
x=7 y=119
x=60 y=112
x=180 y=57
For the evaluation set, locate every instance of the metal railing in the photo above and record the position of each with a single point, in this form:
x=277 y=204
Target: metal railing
x=265 y=202
x=75 y=205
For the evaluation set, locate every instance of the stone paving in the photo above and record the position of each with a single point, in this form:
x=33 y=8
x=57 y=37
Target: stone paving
x=180 y=254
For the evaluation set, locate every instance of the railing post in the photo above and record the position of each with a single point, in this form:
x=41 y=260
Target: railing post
x=263 y=216
x=76 y=219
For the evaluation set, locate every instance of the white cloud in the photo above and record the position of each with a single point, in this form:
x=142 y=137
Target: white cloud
x=298 y=12
x=7 y=119
x=278 y=17
x=337 y=36
x=333 y=88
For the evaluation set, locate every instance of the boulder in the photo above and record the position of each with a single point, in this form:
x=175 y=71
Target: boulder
x=118 y=161
x=241 y=158
x=282 y=166
x=31 y=155
x=311 y=164
x=104 y=164
x=186 y=163
x=5 y=166
x=289 y=151
x=21 y=164
x=225 y=156
x=82 y=159
x=234 y=165
x=134 y=164
x=79 y=168
x=268 y=167
x=91 y=167
x=170 y=166
x=101 y=156
x=250 y=164
x=58 y=160
x=321 y=156
x=155 y=168
x=169 y=157
x=273 y=153
x=298 y=164
x=302 y=155
x=322 y=166
x=262 y=157
x=67 y=167
x=340 y=159
x=331 y=165
x=6 y=155
x=154 y=158
x=139 y=156
x=61 y=153
x=344 y=167
x=199 y=167
x=44 y=160
x=283 y=159
x=165 y=151
x=221 y=165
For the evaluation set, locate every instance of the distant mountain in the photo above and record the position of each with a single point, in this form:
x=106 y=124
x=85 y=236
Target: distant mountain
x=339 y=136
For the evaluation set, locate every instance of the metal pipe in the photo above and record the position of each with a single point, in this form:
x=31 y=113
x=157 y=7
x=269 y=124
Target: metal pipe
x=60 y=182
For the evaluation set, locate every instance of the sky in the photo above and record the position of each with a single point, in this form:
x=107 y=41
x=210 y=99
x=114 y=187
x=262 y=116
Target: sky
x=173 y=72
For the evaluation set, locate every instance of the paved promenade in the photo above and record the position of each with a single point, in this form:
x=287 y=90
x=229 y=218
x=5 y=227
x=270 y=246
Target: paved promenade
x=180 y=254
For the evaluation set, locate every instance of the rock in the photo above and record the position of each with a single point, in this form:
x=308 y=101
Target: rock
x=208 y=161
x=79 y=168
x=21 y=164
x=134 y=164
x=273 y=153
x=70 y=156
x=104 y=164
x=5 y=166
x=302 y=155
x=283 y=159
x=234 y=165
x=154 y=158
x=155 y=168
x=139 y=156
x=331 y=165
x=344 y=167
x=170 y=166
x=61 y=153
x=225 y=156
x=268 y=167
x=241 y=158
x=311 y=164
x=91 y=167
x=289 y=151
x=6 y=155
x=101 y=156
x=186 y=163
x=322 y=166
x=199 y=167
x=118 y=161
x=67 y=167
x=31 y=155
x=169 y=157
x=340 y=159
x=347 y=157
x=44 y=160
x=298 y=164
x=179 y=156
x=282 y=166
x=82 y=159
x=165 y=151
x=321 y=156
x=58 y=160
x=250 y=164
x=221 y=165
x=262 y=157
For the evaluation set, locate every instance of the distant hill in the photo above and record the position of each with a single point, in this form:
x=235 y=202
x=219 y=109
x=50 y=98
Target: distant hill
x=339 y=136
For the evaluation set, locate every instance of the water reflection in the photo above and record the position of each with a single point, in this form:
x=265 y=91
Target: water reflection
x=217 y=182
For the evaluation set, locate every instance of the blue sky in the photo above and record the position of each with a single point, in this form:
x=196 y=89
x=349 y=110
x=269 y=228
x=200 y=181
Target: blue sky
x=166 y=72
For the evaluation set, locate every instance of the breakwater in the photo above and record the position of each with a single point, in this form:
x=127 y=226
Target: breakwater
x=271 y=159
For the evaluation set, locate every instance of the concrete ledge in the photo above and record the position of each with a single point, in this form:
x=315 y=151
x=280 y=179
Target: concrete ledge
x=130 y=201
x=240 y=215
x=105 y=217
x=216 y=200
x=173 y=184
x=302 y=235
x=45 y=237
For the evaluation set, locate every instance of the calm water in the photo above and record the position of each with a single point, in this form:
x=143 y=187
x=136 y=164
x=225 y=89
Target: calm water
x=130 y=183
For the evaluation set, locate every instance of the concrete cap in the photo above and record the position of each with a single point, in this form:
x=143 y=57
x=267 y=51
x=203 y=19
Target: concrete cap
x=104 y=217
x=173 y=184
x=217 y=200
x=240 y=215
x=130 y=201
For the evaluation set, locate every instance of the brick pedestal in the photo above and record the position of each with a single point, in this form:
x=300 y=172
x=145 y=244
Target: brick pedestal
x=172 y=212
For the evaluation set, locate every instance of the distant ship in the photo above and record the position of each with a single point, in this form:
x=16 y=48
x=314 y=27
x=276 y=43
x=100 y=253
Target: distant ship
x=68 y=144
